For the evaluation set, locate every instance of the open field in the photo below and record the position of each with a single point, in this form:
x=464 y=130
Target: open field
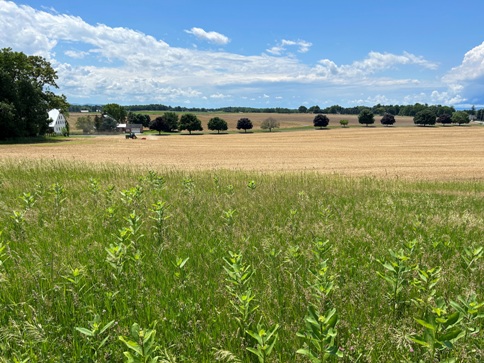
x=88 y=253
x=432 y=153
x=293 y=120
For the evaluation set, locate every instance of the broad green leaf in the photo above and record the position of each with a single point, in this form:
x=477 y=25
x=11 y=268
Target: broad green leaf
x=85 y=331
x=425 y=324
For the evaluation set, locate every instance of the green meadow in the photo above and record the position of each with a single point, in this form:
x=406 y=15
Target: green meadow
x=124 y=264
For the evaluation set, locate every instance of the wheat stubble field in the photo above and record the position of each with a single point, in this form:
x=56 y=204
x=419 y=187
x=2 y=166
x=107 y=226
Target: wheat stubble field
x=431 y=153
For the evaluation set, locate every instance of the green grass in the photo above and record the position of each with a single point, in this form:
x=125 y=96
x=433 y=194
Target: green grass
x=54 y=273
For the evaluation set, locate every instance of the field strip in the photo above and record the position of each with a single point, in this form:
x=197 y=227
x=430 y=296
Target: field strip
x=440 y=153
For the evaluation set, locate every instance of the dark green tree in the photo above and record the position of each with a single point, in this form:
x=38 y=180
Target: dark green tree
x=366 y=117
x=137 y=118
x=424 y=118
x=159 y=124
x=387 y=119
x=321 y=121
x=302 y=109
x=171 y=120
x=460 y=118
x=217 y=124
x=444 y=119
x=85 y=123
x=269 y=124
x=190 y=122
x=108 y=124
x=116 y=112
x=25 y=95
x=98 y=120
x=244 y=124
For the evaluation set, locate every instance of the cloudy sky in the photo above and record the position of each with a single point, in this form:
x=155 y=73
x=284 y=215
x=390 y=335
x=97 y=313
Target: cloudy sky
x=259 y=53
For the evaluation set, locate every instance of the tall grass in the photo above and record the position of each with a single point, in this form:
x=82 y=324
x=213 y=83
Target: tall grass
x=95 y=257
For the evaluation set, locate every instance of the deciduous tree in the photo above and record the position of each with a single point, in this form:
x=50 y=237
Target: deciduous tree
x=116 y=111
x=244 y=124
x=424 y=118
x=269 y=124
x=217 y=124
x=25 y=96
x=85 y=123
x=321 y=121
x=444 y=119
x=460 y=118
x=190 y=122
x=387 y=119
x=366 y=117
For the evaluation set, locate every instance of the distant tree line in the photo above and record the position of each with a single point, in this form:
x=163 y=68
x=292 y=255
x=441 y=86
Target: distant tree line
x=379 y=109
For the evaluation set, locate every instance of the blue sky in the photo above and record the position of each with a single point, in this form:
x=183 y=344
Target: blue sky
x=261 y=53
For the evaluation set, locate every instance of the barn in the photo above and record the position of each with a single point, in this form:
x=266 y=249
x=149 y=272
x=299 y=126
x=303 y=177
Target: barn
x=57 y=121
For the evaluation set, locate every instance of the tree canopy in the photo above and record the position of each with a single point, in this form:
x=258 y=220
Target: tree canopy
x=320 y=121
x=166 y=123
x=460 y=118
x=85 y=123
x=116 y=111
x=388 y=119
x=244 y=124
x=444 y=119
x=269 y=124
x=190 y=122
x=366 y=117
x=424 y=118
x=217 y=124
x=25 y=95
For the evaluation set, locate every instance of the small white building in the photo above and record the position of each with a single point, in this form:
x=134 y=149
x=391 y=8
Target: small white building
x=57 y=121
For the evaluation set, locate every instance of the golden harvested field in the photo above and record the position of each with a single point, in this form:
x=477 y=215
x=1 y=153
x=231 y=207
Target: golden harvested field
x=430 y=153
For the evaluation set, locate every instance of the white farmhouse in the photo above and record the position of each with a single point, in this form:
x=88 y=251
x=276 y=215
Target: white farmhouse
x=57 y=121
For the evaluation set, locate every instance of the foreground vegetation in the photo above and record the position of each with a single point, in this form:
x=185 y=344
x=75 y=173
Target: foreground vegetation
x=117 y=263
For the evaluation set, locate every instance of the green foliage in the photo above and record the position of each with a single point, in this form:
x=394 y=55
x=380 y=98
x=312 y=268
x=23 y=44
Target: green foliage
x=190 y=122
x=320 y=336
x=115 y=111
x=424 y=118
x=321 y=121
x=388 y=119
x=166 y=123
x=269 y=124
x=265 y=341
x=344 y=123
x=217 y=124
x=460 y=118
x=444 y=119
x=91 y=240
x=141 y=344
x=85 y=123
x=138 y=118
x=366 y=117
x=25 y=98
x=440 y=331
x=244 y=124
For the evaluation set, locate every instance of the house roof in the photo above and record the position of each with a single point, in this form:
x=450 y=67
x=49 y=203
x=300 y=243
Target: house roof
x=53 y=115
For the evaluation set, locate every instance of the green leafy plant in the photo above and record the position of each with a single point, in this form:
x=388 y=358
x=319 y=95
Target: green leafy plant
x=96 y=336
x=471 y=255
x=396 y=273
x=265 y=341
x=239 y=275
x=440 y=331
x=159 y=218
x=471 y=313
x=320 y=336
x=141 y=344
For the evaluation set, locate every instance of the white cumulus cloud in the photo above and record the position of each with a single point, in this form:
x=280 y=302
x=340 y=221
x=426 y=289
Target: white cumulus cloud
x=302 y=46
x=211 y=37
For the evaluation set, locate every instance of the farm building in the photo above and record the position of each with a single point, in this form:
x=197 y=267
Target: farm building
x=131 y=128
x=57 y=121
